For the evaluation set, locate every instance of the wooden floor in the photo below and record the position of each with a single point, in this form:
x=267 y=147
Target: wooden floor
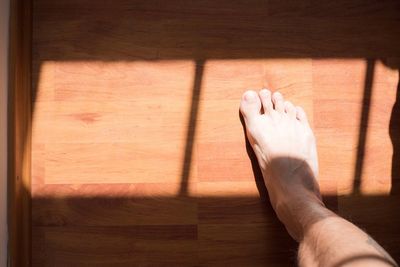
x=139 y=156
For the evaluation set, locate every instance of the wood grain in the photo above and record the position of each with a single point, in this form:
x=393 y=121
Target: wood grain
x=19 y=134
x=139 y=155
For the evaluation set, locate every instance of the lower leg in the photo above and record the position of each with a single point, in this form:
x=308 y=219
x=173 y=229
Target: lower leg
x=337 y=242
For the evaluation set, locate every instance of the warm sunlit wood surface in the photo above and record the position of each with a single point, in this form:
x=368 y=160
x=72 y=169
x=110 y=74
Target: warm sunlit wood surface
x=139 y=156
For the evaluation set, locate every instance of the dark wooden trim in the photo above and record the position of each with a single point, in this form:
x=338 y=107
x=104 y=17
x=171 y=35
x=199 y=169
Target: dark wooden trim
x=19 y=133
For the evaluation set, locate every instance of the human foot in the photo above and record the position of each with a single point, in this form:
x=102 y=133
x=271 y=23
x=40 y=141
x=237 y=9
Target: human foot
x=285 y=147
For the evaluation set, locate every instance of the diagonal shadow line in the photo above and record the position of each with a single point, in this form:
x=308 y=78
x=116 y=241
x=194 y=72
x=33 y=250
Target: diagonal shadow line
x=363 y=127
x=191 y=130
x=394 y=133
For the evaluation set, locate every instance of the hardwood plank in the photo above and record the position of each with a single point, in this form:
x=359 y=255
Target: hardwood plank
x=107 y=246
x=111 y=205
x=218 y=245
x=113 y=163
x=194 y=30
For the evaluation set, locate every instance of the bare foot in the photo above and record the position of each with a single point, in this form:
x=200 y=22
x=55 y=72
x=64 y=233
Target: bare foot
x=286 y=151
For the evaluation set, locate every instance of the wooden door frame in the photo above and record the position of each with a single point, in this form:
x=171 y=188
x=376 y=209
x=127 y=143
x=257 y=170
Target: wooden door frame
x=19 y=133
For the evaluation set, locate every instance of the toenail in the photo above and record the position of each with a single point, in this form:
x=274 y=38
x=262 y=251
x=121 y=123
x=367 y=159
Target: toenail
x=250 y=96
x=277 y=95
x=265 y=92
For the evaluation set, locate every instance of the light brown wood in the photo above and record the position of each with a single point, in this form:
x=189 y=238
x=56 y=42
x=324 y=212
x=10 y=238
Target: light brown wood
x=138 y=152
x=19 y=134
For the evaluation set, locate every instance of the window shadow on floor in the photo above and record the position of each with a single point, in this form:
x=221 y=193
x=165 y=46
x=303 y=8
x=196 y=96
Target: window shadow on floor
x=107 y=225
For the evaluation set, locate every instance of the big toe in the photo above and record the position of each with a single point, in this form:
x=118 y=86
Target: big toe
x=250 y=105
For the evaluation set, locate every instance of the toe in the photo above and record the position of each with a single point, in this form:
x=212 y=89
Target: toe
x=301 y=115
x=278 y=101
x=265 y=96
x=250 y=105
x=290 y=109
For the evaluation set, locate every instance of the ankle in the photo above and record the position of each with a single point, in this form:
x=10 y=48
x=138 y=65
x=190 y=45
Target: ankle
x=299 y=214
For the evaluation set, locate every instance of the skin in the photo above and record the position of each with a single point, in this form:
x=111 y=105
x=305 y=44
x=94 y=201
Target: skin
x=285 y=146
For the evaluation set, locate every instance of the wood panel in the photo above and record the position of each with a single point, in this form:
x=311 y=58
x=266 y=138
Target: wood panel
x=19 y=134
x=138 y=153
